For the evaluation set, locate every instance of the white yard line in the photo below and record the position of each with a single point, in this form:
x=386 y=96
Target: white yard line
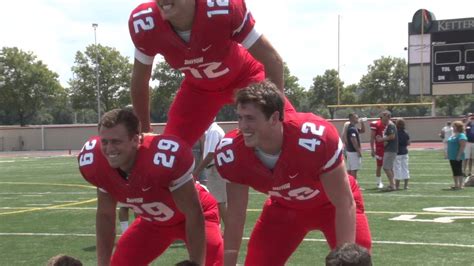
x=247 y=238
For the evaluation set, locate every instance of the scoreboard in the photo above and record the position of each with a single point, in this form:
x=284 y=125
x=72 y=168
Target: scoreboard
x=452 y=62
x=440 y=55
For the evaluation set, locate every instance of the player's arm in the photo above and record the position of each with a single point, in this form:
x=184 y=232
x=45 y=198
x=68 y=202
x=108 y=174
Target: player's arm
x=105 y=227
x=372 y=142
x=237 y=200
x=140 y=93
x=344 y=133
x=362 y=127
x=337 y=187
x=204 y=162
x=263 y=51
x=356 y=145
x=187 y=201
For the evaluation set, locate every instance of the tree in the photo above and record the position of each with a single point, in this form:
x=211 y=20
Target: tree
x=163 y=95
x=385 y=82
x=114 y=79
x=26 y=86
x=293 y=90
x=324 y=92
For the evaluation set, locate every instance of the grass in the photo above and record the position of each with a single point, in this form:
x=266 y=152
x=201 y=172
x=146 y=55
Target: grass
x=46 y=208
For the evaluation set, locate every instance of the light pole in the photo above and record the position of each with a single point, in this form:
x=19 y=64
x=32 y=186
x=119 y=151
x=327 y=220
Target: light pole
x=95 y=25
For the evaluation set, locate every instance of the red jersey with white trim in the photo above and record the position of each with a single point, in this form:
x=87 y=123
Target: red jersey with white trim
x=162 y=164
x=311 y=147
x=214 y=57
x=379 y=128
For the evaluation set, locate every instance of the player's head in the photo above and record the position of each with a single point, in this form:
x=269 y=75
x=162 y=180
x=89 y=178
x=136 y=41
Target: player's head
x=349 y=254
x=385 y=116
x=353 y=118
x=400 y=123
x=259 y=111
x=448 y=123
x=63 y=260
x=119 y=134
x=458 y=126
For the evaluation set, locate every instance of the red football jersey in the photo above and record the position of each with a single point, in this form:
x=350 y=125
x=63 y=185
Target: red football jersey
x=379 y=128
x=311 y=146
x=162 y=164
x=215 y=56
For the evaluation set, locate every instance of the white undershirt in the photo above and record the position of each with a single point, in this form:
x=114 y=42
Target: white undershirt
x=269 y=160
x=185 y=35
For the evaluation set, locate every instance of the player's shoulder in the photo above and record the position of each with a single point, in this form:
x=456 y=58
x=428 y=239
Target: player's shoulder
x=165 y=143
x=144 y=9
x=143 y=22
x=91 y=146
x=91 y=159
x=307 y=122
x=231 y=140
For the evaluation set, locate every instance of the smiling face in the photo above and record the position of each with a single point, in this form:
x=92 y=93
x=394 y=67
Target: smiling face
x=174 y=10
x=255 y=127
x=118 y=147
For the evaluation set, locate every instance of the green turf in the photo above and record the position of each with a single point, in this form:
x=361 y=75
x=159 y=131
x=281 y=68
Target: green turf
x=46 y=208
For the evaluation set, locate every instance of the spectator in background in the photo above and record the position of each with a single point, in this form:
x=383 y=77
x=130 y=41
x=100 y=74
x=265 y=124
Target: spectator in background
x=400 y=169
x=469 y=149
x=445 y=133
x=353 y=148
x=215 y=183
x=376 y=130
x=390 y=148
x=349 y=254
x=456 y=145
x=123 y=217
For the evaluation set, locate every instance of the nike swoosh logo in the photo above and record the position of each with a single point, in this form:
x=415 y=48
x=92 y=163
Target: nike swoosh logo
x=146 y=189
x=293 y=176
x=207 y=48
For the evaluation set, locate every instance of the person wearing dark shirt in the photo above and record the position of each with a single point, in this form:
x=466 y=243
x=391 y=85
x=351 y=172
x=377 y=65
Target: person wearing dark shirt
x=400 y=169
x=353 y=149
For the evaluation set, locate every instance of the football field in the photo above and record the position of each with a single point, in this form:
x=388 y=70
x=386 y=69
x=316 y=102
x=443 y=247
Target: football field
x=46 y=208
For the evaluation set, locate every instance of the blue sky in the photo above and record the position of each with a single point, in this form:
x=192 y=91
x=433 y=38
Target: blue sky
x=303 y=31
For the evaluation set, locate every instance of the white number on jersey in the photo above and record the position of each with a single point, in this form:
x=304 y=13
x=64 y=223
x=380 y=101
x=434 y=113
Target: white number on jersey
x=143 y=24
x=209 y=70
x=224 y=156
x=311 y=143
x=158 y=210
x=302 y=193
x=219 y=3
x=161 y=158
x=88 y=157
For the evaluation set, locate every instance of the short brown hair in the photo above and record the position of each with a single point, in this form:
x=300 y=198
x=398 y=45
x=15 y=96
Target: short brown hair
x=458 y=125
x=400 y=123
x=63 y=260
x=265 y=95
x=349 y=254
x=124 y=116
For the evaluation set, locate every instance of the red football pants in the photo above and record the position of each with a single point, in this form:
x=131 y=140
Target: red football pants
x=193 y=110
x=144 y=241
x=280 y=230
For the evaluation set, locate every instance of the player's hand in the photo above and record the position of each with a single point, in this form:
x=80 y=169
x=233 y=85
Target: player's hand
x=379 y=138
x=372 y=153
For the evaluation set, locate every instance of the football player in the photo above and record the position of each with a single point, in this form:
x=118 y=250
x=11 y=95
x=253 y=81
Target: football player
x=298 y=162
x=376 y=129
x=217 y=47
x=152 y=176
